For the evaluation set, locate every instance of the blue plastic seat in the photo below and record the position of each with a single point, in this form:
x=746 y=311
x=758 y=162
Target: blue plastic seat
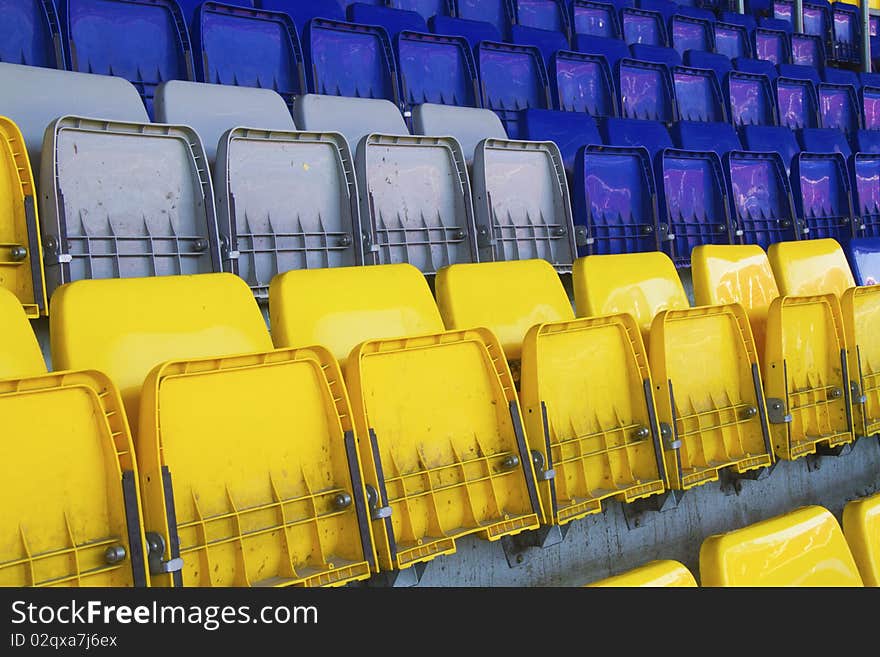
x=690 y=32
x=867 y=141
x=699 y=136
x=864 y=170
x=799 y=72
x=347 y=59
x=750 y=99
x=665 y=8
x=583 y=83
x=657 y=54
x=717 y=62
x=615 y=199
x=869 y=103
x=542 y=14
x=496 y=12
x=824 y=140
x=756 y=67
x=698 y=96
x=732 y=39
x=144 y=41
x=821 y=190
x=692 y=201
x=30 y=34
x=642 y=26
x=611 y=49
x=863 y=254
x=746 y=20
x=817 y=22
x=249 y=48
x=437 y=69
x=836 y=75
x=393 y=20
x=547 y=41
x=846 y=32
x=779 y=24
x=473 y=31
x=302 y=11
x=645 y=91
x=839 y=107
x=425 y=8
x=633 y=133
x=796 y=102
x=513 y=78
x=595 y=18
x=760 y=198
x=570 y=130
x=776 y=139
x=807 y=49
x=702 y=11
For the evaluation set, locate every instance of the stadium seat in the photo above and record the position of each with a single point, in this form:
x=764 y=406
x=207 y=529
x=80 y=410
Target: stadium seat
x=21 y=254
x=212 y=109
x=795 y=267
x=698 y=95
x=746 y=20
x=570 y=131
x=864 y=171
x=78 y=523
x=846 y=32
x=426 y=8
x=541 y=14
x=582 y=82
x=691 y=31
x=347 y=59
x=472 y=31
x=796 y=102
x=660 y=573
x=760 y=198
x=807 y=50
x=656 y=54
x=839 y=107
x=820 y=185
x=717 y=62
x=513 y=78
x=302 y=11
x=394 y=20
x=751 y=99
x=472 y=473
x=249 y=48
x=824 y=140
x=588 y=419
x=700 y=136
x=778 y=139
x=614 y=199
x=144 y=41
x=643 y=26
x=731 y=39
x=33 y=97
x=697 y=407
x=198 y=371
x=861 y=527
x=495 y=12
x=862 y=254
x=612 y=50
x=415 y=198
x=437 y=69
x=595 y=18
x=804 y=548
x=634 y=133
x=645 y=91
x=102 y=218
x=30 y=34
x=803 y=350
x=869 y=104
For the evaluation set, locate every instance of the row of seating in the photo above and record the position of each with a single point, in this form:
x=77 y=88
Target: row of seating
x=155 y=382
x=804 y=547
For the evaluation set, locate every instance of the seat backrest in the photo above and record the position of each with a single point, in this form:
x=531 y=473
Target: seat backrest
x=751 y=99
x=212 y=109
x=611 y=49
x=425 y=8
x=691 y=32
x=804 y=547
x=472 y=31
x=634 y=133
x=542 y=14
x=756 y=67
x=437 y=69
x=810 y=267
x=718 y=62
x=839 y=107
x=861 y=525
x=508 y=298
x=125 y=327
x=583 y=83
x=342 y=307
x=863 y=254
x=641 y=284
x=796 y=103
x=20 y=354
x=807 y=50
x=643 y=26
x=547 y=41
x=656 y=54
x=771 y=45
x=771 y=138
x=353 y=117
x=660 y=573
x=732 y=39
x=700 y=136
x=394 y=20
x=29 y=34
x=825 y=140
x=645 y=91
x=698 y=96
x=569 y=130
x=595 y=18
x=820 y=185
x=496 y=12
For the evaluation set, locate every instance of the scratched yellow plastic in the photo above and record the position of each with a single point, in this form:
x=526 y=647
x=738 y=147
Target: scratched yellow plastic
x=66 y=446
x=507 y=297
x=861 y=526
x=256 y=448
x=341 y=307
x=861 y=317
x=803 y=548
x=735 y=274
x=810 y=267
x=656 y=574
x=16 y=183
x=20 y=353
x=439 y=407
x=705 y=371
x=803 y=368
x=641 y=284
x=125 y=327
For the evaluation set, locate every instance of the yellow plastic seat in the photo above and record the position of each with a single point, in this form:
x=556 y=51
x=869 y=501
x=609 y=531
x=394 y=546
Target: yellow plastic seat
x=712 y=418
x=440 y=429
x=861 y=526
x=659 y=573
x=818 y=267
x=805 y=547
x=248 y=457
x=71 y=505
x=21 y=256
x=585 y=388
x=800 y=341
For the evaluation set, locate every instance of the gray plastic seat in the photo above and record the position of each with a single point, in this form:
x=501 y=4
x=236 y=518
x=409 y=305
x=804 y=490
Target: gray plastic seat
x=521 y=198
x=414 y=192
x=286 y=200
x=120 y=200
x=212 y=109
x=33 y=97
